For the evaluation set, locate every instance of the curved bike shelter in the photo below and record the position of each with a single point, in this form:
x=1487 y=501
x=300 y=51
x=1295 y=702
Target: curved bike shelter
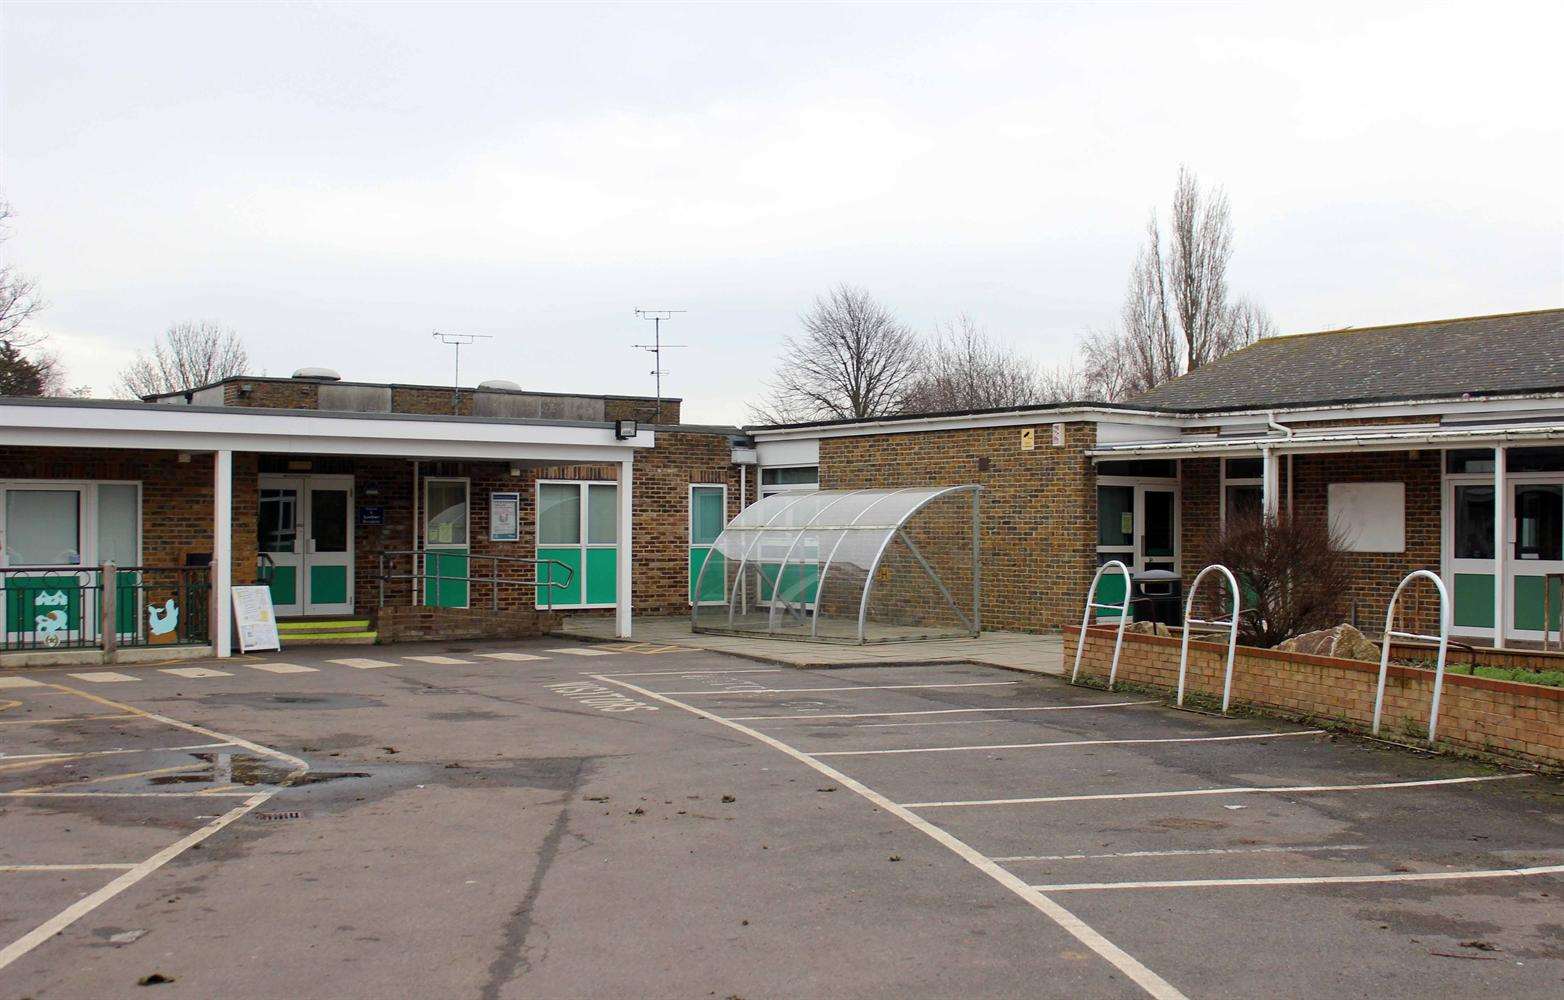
x=1443 y=638
x=1230 y=623
x=1086 y=619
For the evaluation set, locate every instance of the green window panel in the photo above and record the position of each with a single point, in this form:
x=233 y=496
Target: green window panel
x=329 y=584
x=445 y=563
x=800 y=583
x=285 y=585
x=713 y=585
x=1528 y=604
x=1473 y=600
x=566 y=596
x=602 y=576
x=1110 y=590
x=34 y=597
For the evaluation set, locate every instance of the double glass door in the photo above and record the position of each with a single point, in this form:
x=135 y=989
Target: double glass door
x=1533 y=549
x=306 y=528
x=1137 y=524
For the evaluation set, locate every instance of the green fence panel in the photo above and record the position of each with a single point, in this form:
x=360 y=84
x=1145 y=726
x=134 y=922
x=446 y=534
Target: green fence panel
x=30 y=598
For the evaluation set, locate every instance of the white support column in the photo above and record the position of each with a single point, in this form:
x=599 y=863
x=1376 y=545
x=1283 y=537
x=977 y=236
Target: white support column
x=222 y=549
x=1501 y=543
x=1271 y=464
x=626 y=547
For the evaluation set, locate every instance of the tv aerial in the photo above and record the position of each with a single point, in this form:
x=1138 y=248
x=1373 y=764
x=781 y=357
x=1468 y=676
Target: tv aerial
x=456 y=340
x=656 y=347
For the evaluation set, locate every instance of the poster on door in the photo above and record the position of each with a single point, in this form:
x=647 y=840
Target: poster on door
x=255 y=621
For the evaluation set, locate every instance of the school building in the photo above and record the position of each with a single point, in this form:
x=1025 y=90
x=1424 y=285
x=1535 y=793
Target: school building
x=412 y=511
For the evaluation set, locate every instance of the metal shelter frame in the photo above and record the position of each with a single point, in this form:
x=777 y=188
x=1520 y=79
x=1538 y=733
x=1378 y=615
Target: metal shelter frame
x=791 y=517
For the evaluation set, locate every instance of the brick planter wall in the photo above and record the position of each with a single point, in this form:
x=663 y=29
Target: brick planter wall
x=408 y=624
x=1521 y=722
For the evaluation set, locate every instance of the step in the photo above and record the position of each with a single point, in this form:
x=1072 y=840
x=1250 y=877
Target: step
x=309 y=625
x=292 y=639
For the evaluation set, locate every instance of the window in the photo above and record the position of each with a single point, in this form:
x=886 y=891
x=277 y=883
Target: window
x=1479 y=461
x=1539 y=522
x=779 y=480
x=1115 y=515
x=446 y=521
x=578 y=531
x=708 y=516
x=1473 y=522
x=43 y=527
x=1469 y=460
x=119 y=524
x=1245 y=468
x=1142 y=468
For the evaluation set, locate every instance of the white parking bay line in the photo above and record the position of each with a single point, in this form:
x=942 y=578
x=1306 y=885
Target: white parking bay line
x=194 y=672
x=19 y=682
x=444 y=661
x=1187 y=852
x=573 y=651
x=67 y=868
x=360 y=663
x=512 y=657
x=1064 y=743
x=282 y=668
x=1241 y=790
x=938 y=711
x=1216 y=883
x=855 y=687
x=1153 y=984
x=693 y=673
x=104 y=677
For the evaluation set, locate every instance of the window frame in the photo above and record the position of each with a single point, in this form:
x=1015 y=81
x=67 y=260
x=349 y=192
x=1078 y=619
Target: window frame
x=692 y=544
x=582 y=543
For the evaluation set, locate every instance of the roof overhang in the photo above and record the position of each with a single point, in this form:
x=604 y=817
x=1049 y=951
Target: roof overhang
x=94 y=424
x=1302 y=444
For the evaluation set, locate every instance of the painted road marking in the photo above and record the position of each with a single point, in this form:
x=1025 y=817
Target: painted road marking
x=1063 y=743
x=854 y=687
x=75 y=718
x=194 y=672
x=938 y=711
x=65 y=868
x=692 y=673
x=1213 y=883
x=1188 y=852
x=281 y=668
x=45 y=758
x=1143 y=977
x=582 y=652
x=444 y=661
x=1241 y=790
x=19 y=682
x=54 y=925
x=360 y=663
x=512 y=657
x=104 y=677
x=599 y=697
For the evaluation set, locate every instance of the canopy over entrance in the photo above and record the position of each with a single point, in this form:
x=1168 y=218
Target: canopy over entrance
x=871 y=565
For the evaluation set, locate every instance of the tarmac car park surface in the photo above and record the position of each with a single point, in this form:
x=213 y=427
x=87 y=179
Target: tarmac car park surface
x=549 y=819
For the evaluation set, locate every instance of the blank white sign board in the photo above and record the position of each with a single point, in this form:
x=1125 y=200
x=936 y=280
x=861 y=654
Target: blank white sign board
x=1371 y=517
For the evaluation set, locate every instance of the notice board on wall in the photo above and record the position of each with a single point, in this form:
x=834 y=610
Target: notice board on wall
x=1370 y=516
x=254 y=619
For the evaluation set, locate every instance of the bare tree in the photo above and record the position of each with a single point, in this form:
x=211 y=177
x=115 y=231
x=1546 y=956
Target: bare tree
x=965 y=370
x=854 y=359
x=189 y=355
x=1293 y=572
x=21 y=374
x=1177 y=313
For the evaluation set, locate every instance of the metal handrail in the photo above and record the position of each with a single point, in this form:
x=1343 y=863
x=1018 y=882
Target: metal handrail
x=1086 y=617
x=549 y=583
x=1230 y=623
x=1443 y=638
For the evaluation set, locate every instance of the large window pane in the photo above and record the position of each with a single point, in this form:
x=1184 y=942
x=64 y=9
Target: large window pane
x=559 y=514
x=1159 y=524
x=602 y=515
x=1539 y=522
x=447 y=512
x=706 y=514
x=1115 y=515
x=806 y=475
x=118 y=525
x=329 y=520
x=1473 y=522
x=43 y=527
x=279 y=520
x=1244 y=502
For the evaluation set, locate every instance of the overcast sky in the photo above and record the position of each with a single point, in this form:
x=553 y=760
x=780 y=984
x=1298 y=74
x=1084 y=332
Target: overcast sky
x=337 y=181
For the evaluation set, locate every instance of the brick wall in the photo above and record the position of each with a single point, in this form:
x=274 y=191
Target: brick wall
x=1504 y=719
x=645 y=410
x=298 y=395
x=1038 y=511
x=412 y=624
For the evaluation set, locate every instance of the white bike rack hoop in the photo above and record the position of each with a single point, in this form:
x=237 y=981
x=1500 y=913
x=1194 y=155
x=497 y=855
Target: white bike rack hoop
x=1123 y=608
x=1230 y=623
x=1443 y=638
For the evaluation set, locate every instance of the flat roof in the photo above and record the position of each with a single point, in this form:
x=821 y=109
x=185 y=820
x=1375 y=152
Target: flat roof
x=289 y=380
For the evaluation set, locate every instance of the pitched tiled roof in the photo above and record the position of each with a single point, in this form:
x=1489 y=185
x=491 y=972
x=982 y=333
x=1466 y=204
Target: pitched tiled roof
x=1480 y=355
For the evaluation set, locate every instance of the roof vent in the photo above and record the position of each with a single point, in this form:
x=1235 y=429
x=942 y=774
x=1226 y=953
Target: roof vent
x=317 y=375
x=504 y=384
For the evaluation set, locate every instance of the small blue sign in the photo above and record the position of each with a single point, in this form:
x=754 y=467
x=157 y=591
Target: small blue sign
x=371 y=515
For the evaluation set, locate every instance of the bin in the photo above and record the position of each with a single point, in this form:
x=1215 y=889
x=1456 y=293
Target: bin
x=1157 y=596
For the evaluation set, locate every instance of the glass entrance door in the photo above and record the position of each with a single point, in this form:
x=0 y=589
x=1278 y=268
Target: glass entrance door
x=45 y=527
x=1536 y=548
x=446 y=555
x=306 y=527
x=1137 y=524
x=277 y=535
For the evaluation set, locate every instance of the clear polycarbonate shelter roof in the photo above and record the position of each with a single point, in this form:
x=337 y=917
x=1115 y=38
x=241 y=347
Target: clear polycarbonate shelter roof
x=845 y=565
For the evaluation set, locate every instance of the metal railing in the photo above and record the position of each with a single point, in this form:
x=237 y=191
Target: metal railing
x=543 y=576
x=68 y=607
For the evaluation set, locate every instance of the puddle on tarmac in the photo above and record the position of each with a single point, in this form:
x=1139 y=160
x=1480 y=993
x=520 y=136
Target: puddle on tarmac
x=246 y=769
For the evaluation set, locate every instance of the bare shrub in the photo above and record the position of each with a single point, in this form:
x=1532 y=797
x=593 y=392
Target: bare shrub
x=1293 y=573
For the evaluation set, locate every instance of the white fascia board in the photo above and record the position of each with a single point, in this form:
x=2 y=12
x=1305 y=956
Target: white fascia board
x=1540 y=403
x=970 y=421
x=181 y=429
x=1337 y=442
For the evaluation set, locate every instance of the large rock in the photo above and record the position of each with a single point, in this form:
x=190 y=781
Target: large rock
x=1343 y=641
x=1148 y=628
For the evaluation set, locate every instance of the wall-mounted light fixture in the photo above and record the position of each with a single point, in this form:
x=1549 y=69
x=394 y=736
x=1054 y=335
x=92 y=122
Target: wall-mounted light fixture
x=625 y=429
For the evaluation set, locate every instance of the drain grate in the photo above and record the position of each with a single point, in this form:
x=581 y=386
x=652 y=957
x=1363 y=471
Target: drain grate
x=277 y=816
